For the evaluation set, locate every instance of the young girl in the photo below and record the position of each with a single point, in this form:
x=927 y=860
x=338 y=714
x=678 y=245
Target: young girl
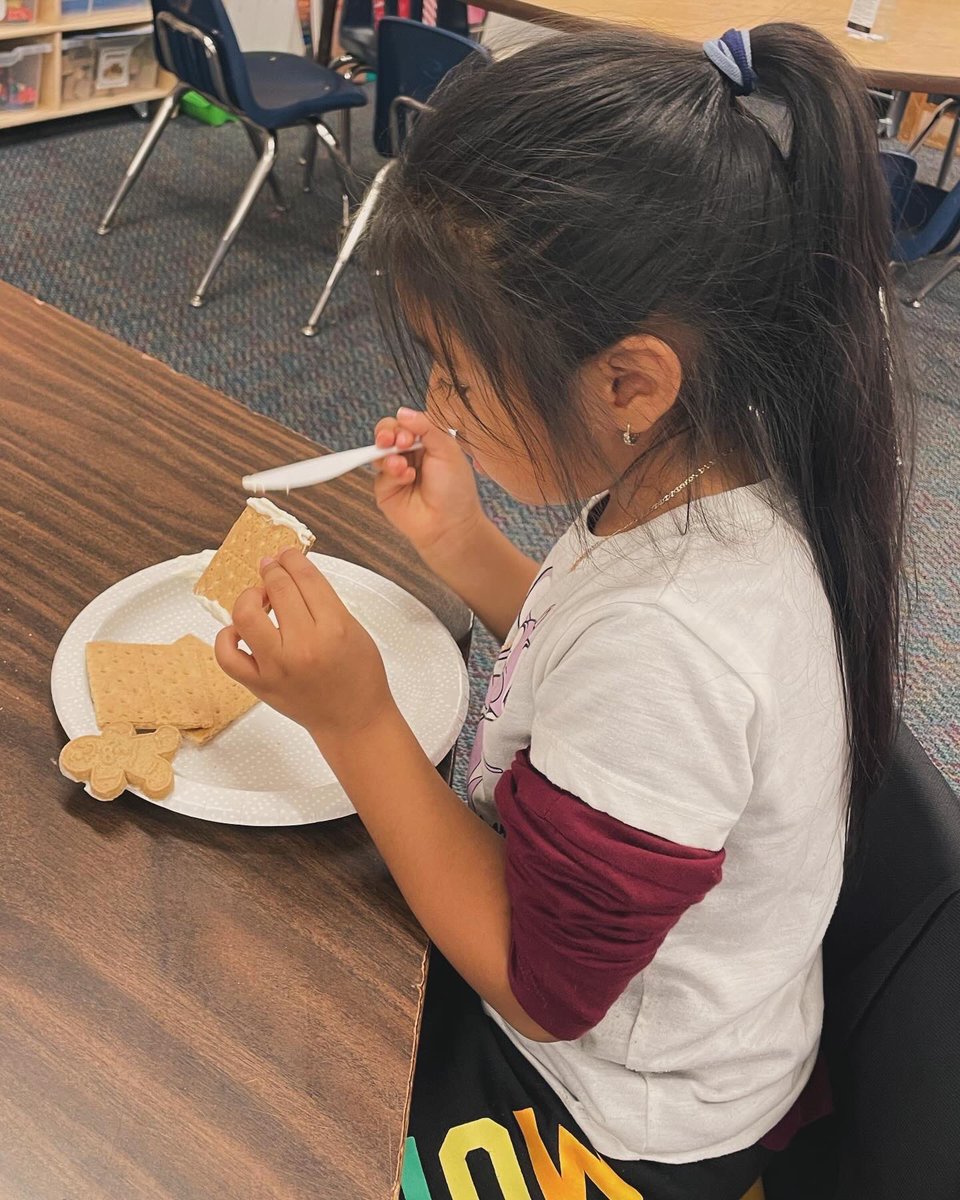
x=641 y=299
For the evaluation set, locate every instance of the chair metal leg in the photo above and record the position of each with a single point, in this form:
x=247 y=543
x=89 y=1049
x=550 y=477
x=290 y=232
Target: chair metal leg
x=949 y=153
x=952 y=264
x=895 y=113
x=345 y=131
x=308 y=159
x=256 y=141
x=168 y=106
x=346 y=137
x=354 y=233
x=341 y=166
x=256 y=181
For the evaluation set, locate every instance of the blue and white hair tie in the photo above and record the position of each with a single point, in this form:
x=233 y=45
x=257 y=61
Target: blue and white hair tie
x=731 y=56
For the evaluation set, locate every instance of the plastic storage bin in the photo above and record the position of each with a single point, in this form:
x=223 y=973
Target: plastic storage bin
x=20 y=75
x=80 y=8
x=75 y=8
x=13 y=12
x=108 y=64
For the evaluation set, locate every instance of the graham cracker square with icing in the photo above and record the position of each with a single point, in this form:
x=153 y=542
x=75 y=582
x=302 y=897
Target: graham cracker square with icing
x=261 y=531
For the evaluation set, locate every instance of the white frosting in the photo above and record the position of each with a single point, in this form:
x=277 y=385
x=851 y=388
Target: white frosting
x=268 y=509
x=214 y=608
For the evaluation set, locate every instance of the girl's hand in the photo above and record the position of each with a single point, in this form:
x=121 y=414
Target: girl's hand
x=320 y=667
x=435 y=501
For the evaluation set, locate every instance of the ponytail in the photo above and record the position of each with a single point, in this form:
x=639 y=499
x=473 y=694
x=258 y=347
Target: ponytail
x=842 y=457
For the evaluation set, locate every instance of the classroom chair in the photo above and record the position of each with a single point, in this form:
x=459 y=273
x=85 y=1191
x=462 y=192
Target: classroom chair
x=926 y=221
x=265 y=91
x=891 y=1033
x=411 y=61
x=358 y=38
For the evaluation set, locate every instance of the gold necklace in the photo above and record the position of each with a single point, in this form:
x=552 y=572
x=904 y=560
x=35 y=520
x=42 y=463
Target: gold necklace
x=680 y=486
x=659 y=504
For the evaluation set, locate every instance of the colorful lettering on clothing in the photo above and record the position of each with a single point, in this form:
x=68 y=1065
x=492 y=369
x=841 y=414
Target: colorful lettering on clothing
x=569 y=1182
x=413 y=1183
x=577 y=1165
x=483 y=1134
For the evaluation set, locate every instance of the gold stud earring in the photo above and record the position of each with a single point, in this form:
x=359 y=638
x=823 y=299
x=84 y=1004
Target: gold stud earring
x=630 y=439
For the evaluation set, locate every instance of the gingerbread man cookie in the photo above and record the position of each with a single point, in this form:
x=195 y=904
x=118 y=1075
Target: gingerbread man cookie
x=119 y=758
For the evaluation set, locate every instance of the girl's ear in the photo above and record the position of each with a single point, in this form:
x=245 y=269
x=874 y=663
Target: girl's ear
x=636 y=380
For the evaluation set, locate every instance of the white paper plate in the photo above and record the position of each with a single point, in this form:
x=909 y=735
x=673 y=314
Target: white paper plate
x=264 y=769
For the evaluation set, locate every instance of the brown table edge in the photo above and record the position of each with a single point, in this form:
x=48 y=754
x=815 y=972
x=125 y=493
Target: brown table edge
x=421 y=998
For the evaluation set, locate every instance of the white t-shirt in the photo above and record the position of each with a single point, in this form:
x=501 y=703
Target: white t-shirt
x=686 y=683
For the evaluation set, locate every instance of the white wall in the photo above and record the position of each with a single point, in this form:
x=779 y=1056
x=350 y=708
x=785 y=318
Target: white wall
x=266 y=24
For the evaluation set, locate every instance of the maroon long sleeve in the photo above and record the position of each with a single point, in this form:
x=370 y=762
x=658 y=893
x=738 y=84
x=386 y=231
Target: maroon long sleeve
x=591 y=899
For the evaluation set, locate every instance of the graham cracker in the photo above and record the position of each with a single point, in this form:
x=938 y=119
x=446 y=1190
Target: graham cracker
x=148 y=685
x=228 y=698
x=261 y=531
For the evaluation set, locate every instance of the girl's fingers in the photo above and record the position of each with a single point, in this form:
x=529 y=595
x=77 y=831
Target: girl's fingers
x=293 y=615
x=398 y=465
x=387 y=487
x=410 y=426
x=385 y=432
x=314 y=589
x=390 y=433
x=254 y=626
x=435 y=440
x=393 y=464
x=233 y=661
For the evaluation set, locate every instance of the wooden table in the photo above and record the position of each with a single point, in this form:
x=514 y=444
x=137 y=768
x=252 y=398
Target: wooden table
x=188 y=1011
x=922 y=53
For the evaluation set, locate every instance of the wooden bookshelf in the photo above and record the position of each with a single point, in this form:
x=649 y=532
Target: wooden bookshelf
x=919 y=109
x=50 y=25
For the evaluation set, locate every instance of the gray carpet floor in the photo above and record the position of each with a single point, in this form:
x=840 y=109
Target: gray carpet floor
x=135 y=284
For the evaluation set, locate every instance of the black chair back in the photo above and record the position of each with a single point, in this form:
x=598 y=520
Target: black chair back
x=892 y=993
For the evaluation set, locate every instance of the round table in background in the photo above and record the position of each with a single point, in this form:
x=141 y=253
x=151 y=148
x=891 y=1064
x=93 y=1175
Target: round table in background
x=922 y=53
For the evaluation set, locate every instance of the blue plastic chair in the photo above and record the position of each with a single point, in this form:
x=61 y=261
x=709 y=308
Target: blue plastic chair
x=926 y=221
x=265 y=91
x=359 y=41
x=412 y=59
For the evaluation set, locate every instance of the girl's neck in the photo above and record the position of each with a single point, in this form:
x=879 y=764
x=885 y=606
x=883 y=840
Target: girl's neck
x=632 y=502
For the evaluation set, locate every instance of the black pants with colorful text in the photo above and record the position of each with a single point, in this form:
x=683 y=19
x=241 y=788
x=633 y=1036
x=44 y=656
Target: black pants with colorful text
x=484 y=1125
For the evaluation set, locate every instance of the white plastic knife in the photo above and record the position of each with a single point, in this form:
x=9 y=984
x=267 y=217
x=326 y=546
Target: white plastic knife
x=318 y=470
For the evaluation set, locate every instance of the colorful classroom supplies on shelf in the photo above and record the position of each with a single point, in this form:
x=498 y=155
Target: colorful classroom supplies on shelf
x=20 y=75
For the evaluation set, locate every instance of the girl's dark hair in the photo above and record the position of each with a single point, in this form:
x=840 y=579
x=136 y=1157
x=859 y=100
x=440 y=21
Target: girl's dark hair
x=595 y=186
